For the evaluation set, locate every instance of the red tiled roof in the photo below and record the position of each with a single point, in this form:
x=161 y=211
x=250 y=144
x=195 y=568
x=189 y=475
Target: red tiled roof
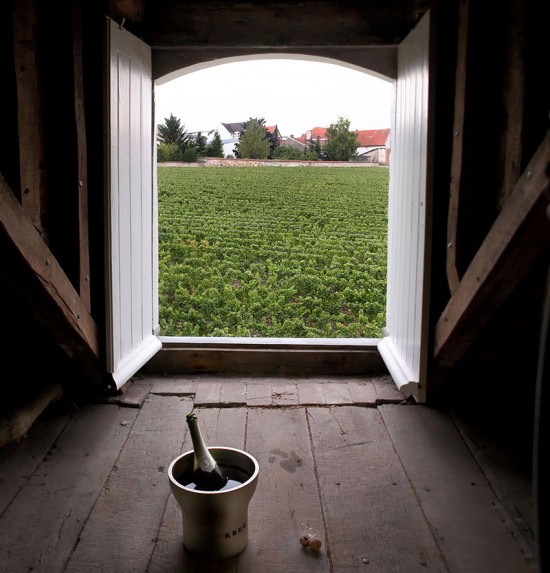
x=319 y=132
x=372 y=137
x=365 y=137
x=316 y=132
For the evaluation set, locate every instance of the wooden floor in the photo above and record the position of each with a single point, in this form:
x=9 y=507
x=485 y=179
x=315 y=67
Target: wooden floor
x=388 y=486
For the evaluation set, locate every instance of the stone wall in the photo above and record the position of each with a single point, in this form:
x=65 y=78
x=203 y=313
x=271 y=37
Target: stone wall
x=231 y=162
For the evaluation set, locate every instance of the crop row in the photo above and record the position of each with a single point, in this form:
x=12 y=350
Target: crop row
x=275 y=252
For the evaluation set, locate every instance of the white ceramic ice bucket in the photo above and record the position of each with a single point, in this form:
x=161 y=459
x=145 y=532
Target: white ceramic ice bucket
x=215 y=523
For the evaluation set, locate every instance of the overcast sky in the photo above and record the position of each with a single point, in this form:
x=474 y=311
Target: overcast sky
x=293 y=94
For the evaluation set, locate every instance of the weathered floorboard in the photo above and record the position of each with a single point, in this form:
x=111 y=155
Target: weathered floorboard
x=371 y=513
x=286 y=496
x=391 y=484
x=45 y=519
x=121 y=530
x=453 y=492
x=259 y=394
x=19 y=460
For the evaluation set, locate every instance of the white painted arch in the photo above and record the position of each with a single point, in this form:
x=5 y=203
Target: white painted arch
x=271 y=56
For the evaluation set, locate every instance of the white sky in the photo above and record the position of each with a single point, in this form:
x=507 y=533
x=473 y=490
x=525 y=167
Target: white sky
x=296 y=95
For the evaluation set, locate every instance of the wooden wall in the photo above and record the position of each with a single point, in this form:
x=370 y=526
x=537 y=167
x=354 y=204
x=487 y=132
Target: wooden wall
x=491 y=115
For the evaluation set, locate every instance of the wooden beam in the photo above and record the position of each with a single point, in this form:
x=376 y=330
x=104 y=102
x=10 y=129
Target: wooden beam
x=458 y=142
x=82 y=166
x=292 y=24
x=29 y=113
x=38 y=279
x=130 y=10
x=514 y=100
x=519 y=235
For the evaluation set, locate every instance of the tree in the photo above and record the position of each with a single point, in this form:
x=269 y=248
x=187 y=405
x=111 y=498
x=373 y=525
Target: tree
x=273 y=141
x=190 y=155
x=173 y=133
x=315 y=147
x=215 y=147
x=287 y=152
x=168 y=152
x=200 y=144
x=271 y=137
x=253 y=143
x=342 y=143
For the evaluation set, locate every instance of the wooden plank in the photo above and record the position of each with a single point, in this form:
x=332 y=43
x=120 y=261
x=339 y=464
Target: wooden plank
x=512 y=485
x=130 y=10
x=208 y=391
x=286 y=496
x=363 y=392
x=173 y=385
x=41 y=526
x=371 y=514
x=314 y=23
x=310 y=393
x=337 y=393
x=49 y=293
x=19 y=418
x=269 y=361
x=132 y=395
x=454 y=494
x=458 y=142
x=284 y=394
x=514 y=99
x=81 y=189
x=19 y=460
x=518 y=236
x=29 y=114
x=120 y=532
x=259 y=394
x=233 y=392
x=220 y=427
x=386 y=390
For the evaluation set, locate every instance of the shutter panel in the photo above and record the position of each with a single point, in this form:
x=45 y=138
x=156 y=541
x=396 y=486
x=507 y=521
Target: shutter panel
x=131 y=225
x=404 y=347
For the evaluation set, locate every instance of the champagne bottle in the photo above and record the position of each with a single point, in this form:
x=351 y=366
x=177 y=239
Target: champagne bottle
x=207 y=474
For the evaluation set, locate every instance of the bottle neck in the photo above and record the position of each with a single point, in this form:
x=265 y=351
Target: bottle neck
x=203 y=458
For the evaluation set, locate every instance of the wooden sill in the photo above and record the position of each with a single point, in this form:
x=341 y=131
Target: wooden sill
x=268 y=356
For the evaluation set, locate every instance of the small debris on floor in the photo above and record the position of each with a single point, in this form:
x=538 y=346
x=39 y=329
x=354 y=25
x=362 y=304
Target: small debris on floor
x=310 y=540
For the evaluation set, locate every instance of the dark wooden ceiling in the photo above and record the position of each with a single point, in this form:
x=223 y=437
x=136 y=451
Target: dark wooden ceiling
x=352 y=31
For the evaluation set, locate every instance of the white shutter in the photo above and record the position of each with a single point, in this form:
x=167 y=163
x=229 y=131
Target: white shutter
x=131 y=225
x=404 y=347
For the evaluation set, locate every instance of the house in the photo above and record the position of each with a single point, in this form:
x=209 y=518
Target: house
x=274 y=131
x=374 y=146
x=235 y=129
x=315 y=135
x=467 y=300
x=289 y=141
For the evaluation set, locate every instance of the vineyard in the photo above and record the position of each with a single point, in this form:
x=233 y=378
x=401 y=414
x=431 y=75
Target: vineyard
x=272 y=251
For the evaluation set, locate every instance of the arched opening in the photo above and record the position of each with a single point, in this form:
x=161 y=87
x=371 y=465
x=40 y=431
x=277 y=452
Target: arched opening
x=403 y=348
x=298 y=83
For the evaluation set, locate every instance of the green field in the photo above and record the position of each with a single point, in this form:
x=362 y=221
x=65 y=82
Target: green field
x=272 y=251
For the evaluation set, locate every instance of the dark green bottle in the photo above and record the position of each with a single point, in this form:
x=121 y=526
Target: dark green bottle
x=207 y=474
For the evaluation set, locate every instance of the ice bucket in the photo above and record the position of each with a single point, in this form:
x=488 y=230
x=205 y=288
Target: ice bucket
x=215 y=523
